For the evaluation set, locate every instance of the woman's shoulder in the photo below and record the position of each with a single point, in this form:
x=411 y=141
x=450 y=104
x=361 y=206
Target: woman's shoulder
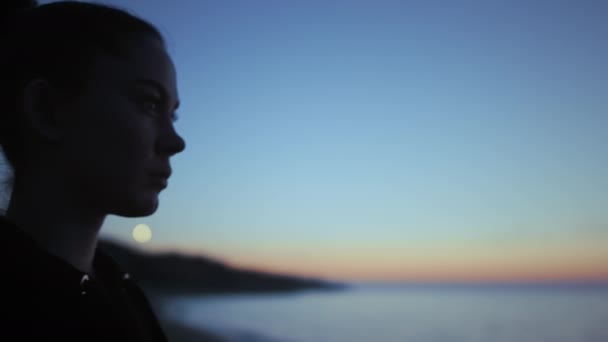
x=45 y=296
x=23 y=261
x=32 y=278
x=37 y=297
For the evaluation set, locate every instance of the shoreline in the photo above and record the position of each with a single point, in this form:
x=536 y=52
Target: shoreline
x=179 y=332
x=176 y=330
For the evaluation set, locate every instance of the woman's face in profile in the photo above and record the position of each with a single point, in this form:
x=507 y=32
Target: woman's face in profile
x=120 y=132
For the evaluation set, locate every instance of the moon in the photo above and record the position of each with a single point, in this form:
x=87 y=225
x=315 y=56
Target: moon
x=142 y=233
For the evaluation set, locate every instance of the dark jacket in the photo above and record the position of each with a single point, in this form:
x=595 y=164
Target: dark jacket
x=44 y=298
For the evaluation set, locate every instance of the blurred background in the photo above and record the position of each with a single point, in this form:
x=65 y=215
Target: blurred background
x=440 y=167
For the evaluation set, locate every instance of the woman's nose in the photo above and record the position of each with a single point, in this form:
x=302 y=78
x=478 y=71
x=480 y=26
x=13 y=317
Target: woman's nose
x=171 y=143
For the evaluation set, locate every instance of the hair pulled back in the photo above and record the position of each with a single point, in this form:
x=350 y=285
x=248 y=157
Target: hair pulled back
x=58 y=42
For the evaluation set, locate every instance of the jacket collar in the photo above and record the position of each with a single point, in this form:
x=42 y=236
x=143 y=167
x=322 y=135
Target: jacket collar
x=37 y=266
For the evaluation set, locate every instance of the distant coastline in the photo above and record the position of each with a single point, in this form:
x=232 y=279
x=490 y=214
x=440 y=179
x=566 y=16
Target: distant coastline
x=165 y=275
x=174 y=273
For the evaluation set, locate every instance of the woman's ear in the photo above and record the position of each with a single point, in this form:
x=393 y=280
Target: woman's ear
x=39 y=105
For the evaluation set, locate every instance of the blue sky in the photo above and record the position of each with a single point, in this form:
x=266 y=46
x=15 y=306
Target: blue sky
x=375 y=139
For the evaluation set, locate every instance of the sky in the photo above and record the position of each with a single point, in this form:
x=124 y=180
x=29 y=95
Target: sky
x=387 y=140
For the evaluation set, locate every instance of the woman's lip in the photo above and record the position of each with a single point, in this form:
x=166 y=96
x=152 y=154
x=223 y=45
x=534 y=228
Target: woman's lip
x=163 y=174
x=159 y=181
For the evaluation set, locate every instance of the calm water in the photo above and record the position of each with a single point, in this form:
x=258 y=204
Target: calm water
x=404 y=313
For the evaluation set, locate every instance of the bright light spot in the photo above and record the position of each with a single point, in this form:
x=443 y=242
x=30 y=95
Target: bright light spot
x=142 y=233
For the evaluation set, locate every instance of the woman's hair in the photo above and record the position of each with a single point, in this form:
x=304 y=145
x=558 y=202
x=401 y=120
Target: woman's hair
x=58 y=42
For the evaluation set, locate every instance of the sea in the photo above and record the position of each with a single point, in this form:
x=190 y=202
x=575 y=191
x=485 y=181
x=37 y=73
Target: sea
x=404 y=312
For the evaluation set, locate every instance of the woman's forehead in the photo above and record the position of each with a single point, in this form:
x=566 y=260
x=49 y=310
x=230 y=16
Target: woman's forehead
x=144 y=62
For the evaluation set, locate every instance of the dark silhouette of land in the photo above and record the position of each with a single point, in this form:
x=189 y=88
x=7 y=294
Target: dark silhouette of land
x=173 y=273
x=169 y=274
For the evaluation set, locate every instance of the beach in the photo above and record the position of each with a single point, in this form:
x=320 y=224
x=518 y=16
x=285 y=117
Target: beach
x=175 y=330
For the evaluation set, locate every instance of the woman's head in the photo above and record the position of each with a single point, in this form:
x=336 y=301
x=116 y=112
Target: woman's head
x=90 y=95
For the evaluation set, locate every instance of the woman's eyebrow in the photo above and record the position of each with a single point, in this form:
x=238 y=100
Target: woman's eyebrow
x=158 y=86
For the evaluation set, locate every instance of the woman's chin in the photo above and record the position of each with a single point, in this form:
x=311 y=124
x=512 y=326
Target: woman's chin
x=138 y=208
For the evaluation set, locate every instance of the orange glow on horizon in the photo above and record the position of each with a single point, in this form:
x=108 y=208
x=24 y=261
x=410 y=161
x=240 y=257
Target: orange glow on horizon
x=472 y=268
x=445 y=264
x=469 y=273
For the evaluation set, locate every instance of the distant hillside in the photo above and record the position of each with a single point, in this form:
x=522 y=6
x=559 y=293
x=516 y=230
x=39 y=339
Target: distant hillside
x=176 y=273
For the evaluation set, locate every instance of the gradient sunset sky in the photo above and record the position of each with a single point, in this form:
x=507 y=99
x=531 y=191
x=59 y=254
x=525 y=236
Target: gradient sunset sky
x=388 y=140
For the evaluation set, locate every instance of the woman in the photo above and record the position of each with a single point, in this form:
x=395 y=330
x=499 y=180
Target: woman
x=89 y=98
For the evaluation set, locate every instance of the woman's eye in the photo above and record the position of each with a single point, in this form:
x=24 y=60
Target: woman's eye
x=151 y=106
x=155 y=107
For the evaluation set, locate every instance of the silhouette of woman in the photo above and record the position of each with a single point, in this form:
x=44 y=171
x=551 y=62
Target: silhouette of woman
x=89 y=96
